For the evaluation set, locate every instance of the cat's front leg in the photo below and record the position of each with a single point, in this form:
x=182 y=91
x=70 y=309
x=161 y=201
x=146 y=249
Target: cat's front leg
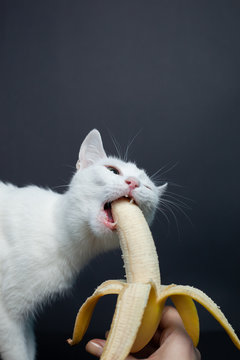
x=30 y=340
x=16 y=339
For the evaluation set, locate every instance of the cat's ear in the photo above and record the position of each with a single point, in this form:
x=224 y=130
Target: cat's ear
x=162 y=189
x=91 y=150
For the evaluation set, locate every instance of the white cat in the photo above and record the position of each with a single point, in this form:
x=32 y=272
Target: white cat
x=46 y=237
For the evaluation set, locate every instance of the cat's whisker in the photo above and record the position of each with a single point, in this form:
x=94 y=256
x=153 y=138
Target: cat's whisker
x=116 y=145
x=159 y=173
x=175 y=184
x=153 y=176
x=181 y=196
x=164 y=214
x=171 y=168
x=125 y=158
x=61 y=186
x=70 y=166
x=177 y=207
x=179 y=202
x=169 y=209
x=160 y=181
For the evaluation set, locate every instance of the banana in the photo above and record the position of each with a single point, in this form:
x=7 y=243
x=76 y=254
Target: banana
x=141 y=298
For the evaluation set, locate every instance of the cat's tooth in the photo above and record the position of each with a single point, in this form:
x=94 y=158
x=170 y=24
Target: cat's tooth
x=131 y=201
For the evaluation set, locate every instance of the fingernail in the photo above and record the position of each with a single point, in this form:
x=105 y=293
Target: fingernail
x=95 y=347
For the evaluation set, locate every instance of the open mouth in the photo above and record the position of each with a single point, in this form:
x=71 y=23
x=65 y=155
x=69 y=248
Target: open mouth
x=108 y=211
x=108 y=217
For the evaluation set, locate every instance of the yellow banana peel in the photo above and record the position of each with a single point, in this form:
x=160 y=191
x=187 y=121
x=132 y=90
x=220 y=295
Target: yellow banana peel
x=141 y=298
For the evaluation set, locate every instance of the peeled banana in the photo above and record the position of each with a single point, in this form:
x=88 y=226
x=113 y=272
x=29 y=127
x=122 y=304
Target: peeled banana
x=141 y=298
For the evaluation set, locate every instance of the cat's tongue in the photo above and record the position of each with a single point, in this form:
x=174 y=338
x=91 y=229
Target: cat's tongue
x=109 y=222
x=108 y=212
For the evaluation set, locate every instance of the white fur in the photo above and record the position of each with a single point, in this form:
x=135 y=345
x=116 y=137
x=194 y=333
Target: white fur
x=46 y=238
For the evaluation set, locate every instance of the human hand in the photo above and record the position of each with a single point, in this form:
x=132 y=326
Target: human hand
x=170 y=342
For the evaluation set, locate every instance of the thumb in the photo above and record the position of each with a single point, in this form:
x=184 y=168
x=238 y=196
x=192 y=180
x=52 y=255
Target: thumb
x=175 y=342
x=95 y=347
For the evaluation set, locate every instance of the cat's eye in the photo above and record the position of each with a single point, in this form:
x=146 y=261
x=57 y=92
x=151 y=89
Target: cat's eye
x=113 y=169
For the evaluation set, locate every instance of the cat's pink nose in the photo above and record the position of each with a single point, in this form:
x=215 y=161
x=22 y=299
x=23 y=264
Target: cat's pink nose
x=132 y=182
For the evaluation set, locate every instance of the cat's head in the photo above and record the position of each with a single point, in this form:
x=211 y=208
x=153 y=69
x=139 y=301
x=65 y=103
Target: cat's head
x=100 y=179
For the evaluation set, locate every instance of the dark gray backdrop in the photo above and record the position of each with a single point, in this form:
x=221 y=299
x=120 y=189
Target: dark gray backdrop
x=168 y=68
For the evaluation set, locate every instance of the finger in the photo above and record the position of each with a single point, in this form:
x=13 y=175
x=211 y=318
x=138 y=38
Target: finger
x=176 y=345
x=154 y=342
x=198 y=354
x=95 y=347
x=170 y=317
x=174 y=341
x=145 y=352
x=167 y=319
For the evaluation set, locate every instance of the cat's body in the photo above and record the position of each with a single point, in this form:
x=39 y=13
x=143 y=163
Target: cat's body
x=46 y=237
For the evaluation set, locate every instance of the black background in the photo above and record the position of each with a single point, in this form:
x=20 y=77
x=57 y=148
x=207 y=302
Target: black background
x=168 y=71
